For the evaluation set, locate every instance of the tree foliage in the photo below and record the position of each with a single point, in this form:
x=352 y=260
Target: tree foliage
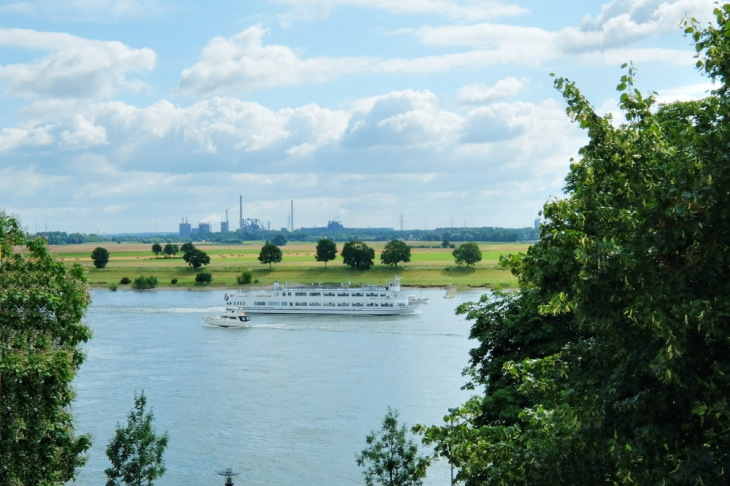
x=187 y=247
x=358 y=255
x=135 y=451
x=171 y=249
x=196 y=258
x=635 y=262
x=156 y=248
x=395 y=251
x=279 y=240
x=42 y=304
x=245 y=278
x=391 y=459
x=100 y=256
x=203 y=277
x=326 y=251
x=270 y=253
x=145 y=283
x=468 y=253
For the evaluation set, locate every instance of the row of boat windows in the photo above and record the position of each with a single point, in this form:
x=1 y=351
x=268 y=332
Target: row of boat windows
x=325 y=304
x=334 y=294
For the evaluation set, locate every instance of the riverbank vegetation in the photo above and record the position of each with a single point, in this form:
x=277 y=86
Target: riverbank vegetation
x=429 y=267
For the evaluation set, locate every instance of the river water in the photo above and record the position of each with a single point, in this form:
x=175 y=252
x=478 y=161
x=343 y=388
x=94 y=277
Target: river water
x=286 y=402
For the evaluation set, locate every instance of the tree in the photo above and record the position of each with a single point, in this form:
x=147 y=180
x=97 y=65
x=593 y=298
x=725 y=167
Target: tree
x=171 y=249
x=395 y=251
x=42 y=304
x=196 y=258
x=326 y=251
x=157 y=249
x=135 y=451
x=100 y=256
x=635 y=259
x=445 y=243
x=358 y=255
x=203 y=277
x=187 y=247
x=390 y=458
x=245 y=278
x=468 y=253
x=279 y=240
x=145 y=283
x=270 y=253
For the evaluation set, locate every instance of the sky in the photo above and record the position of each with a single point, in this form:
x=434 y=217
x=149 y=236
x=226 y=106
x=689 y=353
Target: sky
x=128 y=115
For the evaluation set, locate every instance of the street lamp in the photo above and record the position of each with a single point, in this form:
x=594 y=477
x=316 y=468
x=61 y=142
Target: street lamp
x=451 y=410
x=228 y=473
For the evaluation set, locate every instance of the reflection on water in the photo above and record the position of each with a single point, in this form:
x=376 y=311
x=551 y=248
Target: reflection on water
x=288 y=401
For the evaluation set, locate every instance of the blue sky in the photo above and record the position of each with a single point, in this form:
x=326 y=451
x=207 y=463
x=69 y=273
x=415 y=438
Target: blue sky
x=126 y=115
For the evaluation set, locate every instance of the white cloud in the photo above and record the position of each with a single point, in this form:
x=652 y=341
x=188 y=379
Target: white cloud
x=453 y=10
x=74 y=68
x=481 y=92
x=12 y=138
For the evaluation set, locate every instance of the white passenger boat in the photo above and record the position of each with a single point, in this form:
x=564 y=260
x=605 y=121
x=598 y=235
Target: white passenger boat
x=230 y=319
x=378 y=300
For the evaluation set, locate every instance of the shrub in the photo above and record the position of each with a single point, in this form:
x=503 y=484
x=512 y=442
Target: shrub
x=204 y=277
x=174 y=281
x=125 y=281
x=143 y=283
x=256 y=281
x=245 y=278
x=112 y=286
x=452 y=245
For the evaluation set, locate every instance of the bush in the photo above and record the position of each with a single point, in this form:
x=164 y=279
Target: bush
x=452 y=245
x=112 y=286
x=125 y=281
x=204 y=277
x=174 y=281
x=256 y=281
x=245 y=278
x=143 y=283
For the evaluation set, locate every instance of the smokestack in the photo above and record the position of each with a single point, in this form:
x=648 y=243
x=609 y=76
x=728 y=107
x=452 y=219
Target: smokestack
x=292 y=214
x=226 y=215
x=269 y=225
x=240 y=219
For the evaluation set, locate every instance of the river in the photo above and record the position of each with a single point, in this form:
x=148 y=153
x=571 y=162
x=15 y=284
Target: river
x=286 y=402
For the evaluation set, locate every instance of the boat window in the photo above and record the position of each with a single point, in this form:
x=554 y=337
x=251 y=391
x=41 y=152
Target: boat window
x=301 y=304
x=300 y=294
x=401 y=304
x=329 y=294
x=276 y=294
x=315 y=303
x=312 y=294
x=259 y=303
x=343 y=294
x=357 y=294
x=358 y=304
x=386 y=305
x=273 y=303
x=343 y=304
x=232 y=317
x=371 y=294
x=382 y=295
x=329 y=304
x=372 y=304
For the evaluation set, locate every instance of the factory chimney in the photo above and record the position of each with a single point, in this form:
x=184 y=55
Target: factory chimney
x=240 y=219
x=292 y=214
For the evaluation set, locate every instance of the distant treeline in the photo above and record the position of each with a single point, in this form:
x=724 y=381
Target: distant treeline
x=307 y=235
x=63 y=238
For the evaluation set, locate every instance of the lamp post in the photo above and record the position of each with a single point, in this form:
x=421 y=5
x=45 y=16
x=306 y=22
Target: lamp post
x=228 y=473
x=451 y=410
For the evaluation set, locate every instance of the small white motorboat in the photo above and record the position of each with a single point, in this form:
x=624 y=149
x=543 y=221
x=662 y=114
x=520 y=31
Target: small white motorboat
x=229 y=320
x=412 y=299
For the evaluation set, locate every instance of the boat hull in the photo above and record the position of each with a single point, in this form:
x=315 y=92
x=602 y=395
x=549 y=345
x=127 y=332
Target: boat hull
x=334 y=312
x=226 y=323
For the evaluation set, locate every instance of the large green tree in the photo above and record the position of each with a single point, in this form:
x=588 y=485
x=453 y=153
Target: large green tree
x=42 y=304
x=636 y=258
x=196 y=258
x=326 y=251
x=358 y=255
x=270 y=253
x=156 y=249
x=391 y=459
x=395 y=251
x=100 y=256
x=135 y=451
x=171 y=249
x=468 y=253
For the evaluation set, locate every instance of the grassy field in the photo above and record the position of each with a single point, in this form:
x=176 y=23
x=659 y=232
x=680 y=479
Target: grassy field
x=428 y=266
